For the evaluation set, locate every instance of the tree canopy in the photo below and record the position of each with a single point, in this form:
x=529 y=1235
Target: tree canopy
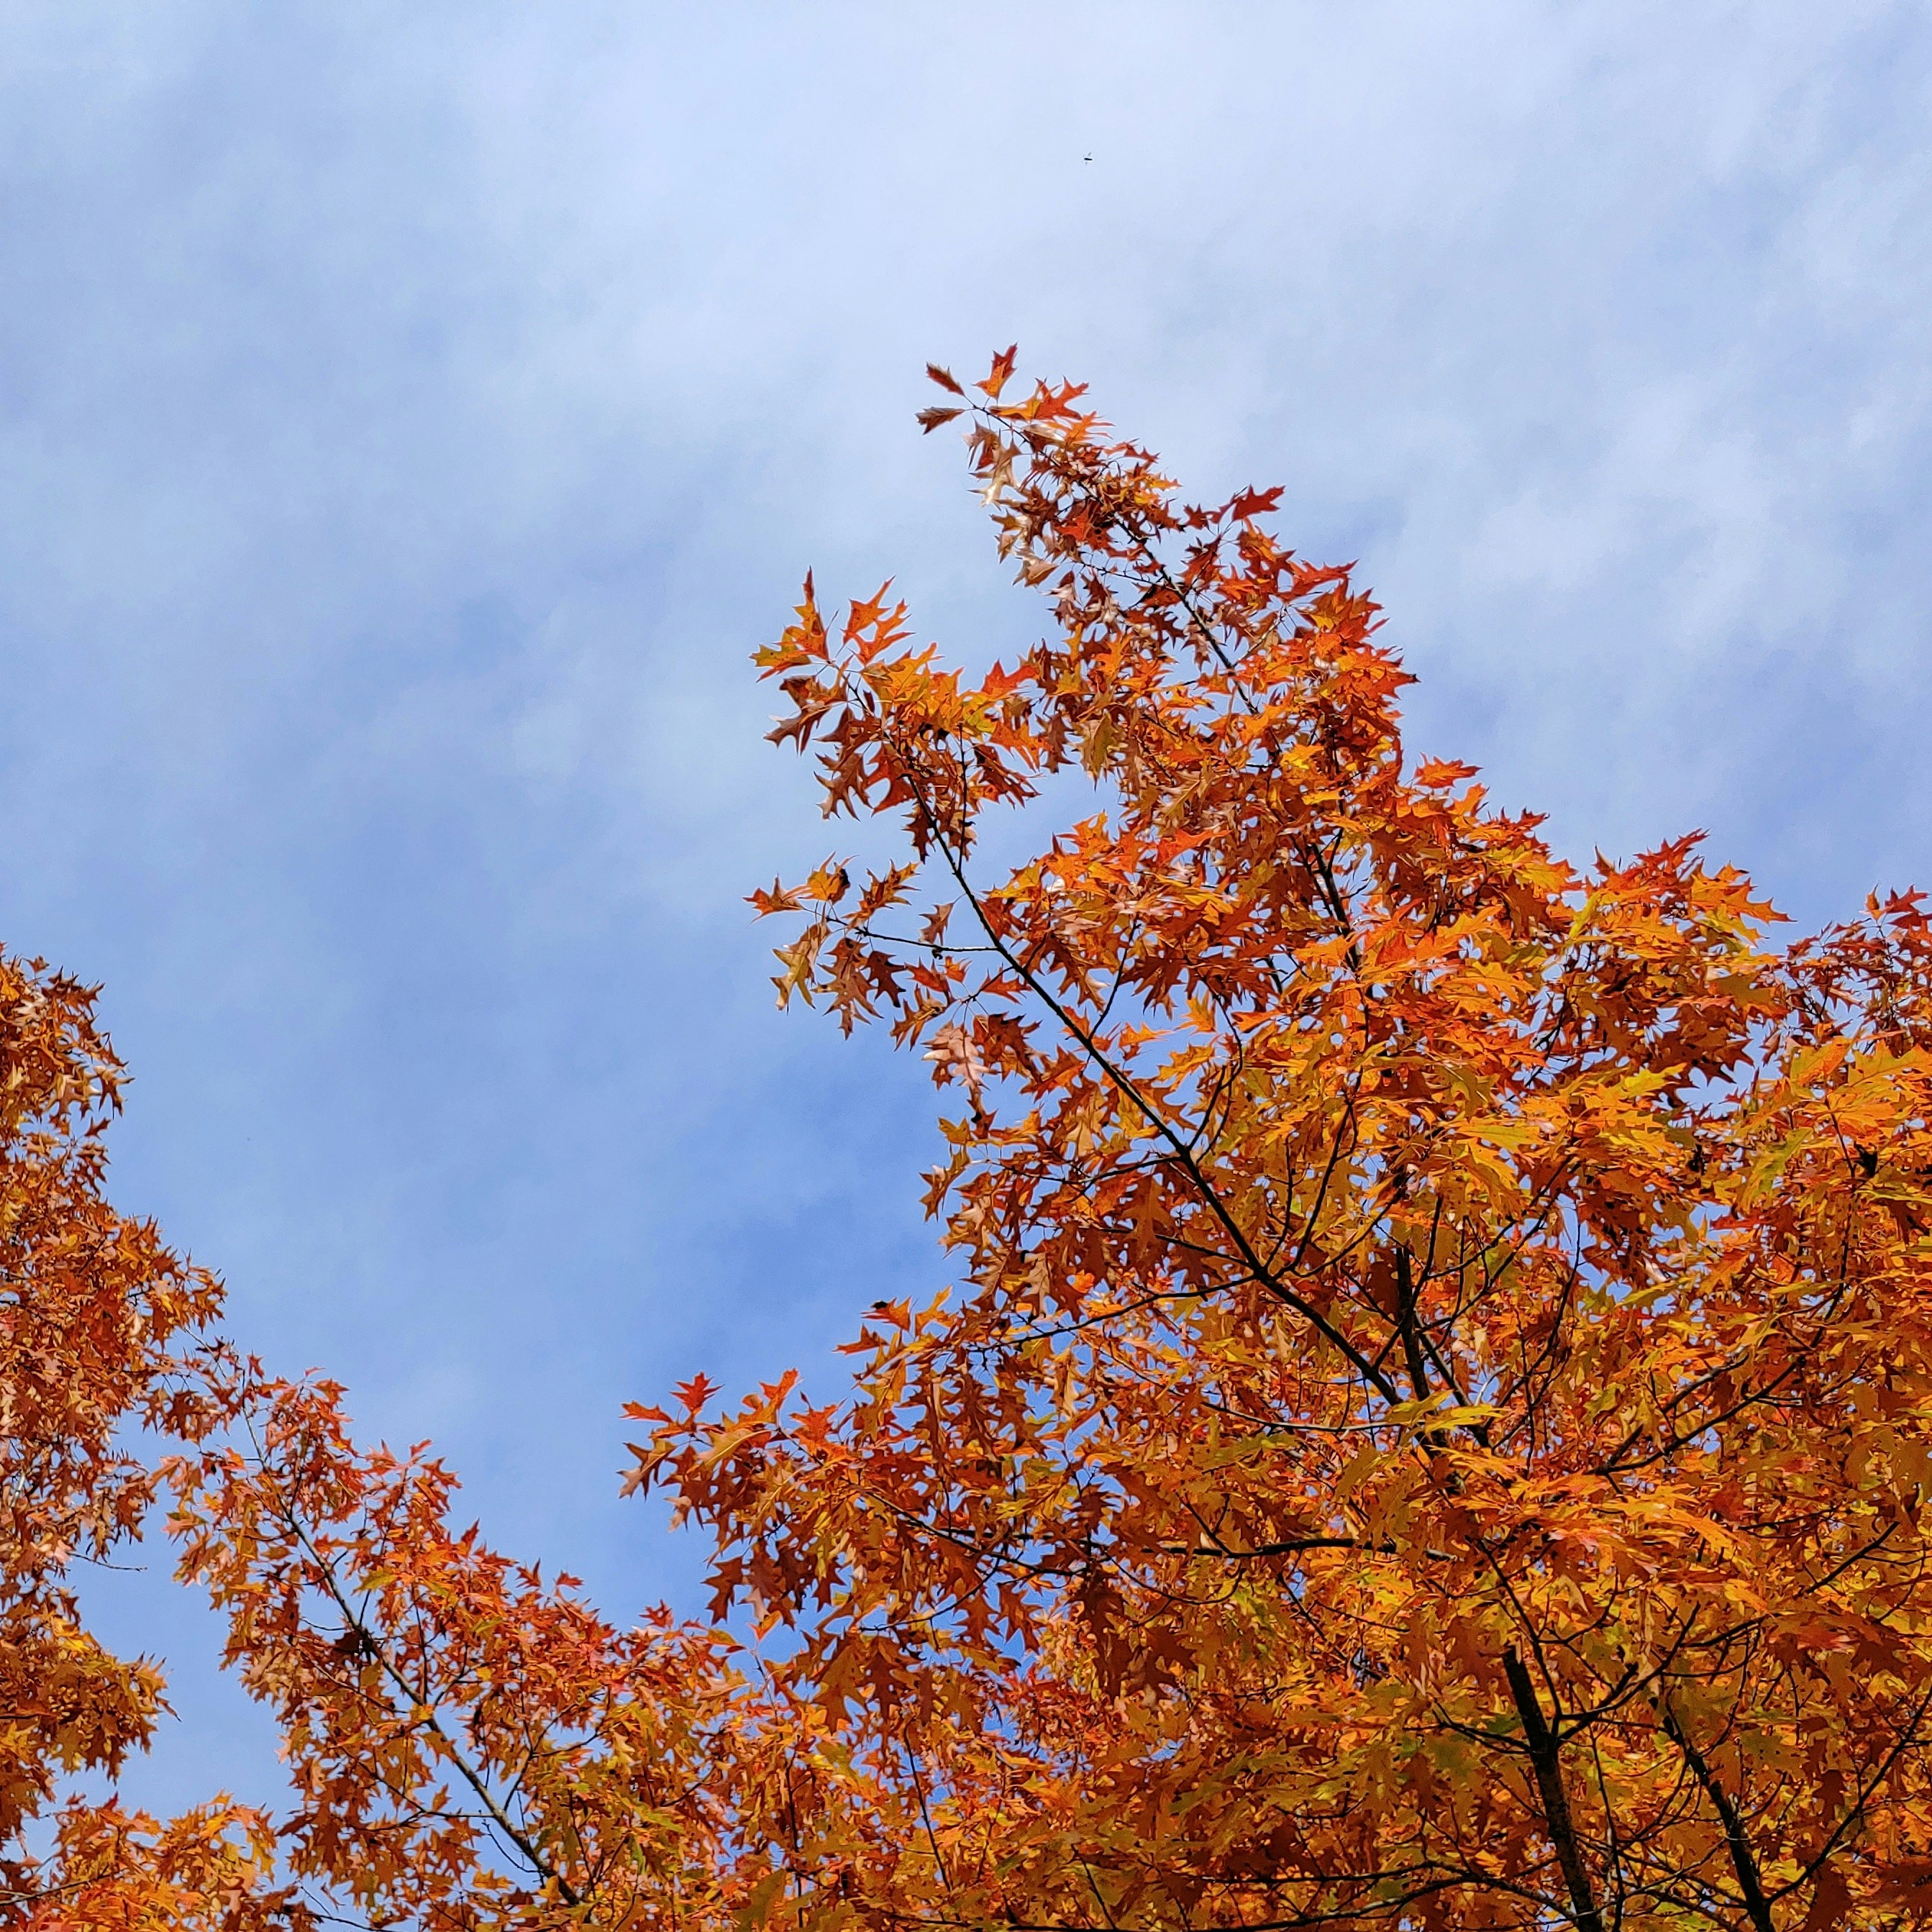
x=1430 y=1428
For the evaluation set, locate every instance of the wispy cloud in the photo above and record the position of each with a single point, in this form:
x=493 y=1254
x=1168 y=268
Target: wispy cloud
x=408 y=420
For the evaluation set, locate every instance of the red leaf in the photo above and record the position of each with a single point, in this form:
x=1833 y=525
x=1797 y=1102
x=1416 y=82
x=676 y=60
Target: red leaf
x=1002 y=368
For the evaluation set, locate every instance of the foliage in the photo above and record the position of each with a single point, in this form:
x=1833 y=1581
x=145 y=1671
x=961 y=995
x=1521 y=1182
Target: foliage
x=101 y=1327
x=1433 y=1427
x=1431 y=1430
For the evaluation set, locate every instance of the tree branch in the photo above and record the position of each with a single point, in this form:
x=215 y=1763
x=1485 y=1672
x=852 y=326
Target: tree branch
x=1743 y=1860
x=1543 y=1759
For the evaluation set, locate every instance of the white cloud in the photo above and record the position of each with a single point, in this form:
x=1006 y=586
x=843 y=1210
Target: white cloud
x=412 y=418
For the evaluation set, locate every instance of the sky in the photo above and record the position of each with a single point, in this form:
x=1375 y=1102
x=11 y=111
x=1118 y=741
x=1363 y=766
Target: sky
x=412 y=418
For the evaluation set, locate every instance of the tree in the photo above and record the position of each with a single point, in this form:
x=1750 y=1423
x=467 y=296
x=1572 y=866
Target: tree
x=1432 y=1429
x=102 y=1330
x=468 y=1745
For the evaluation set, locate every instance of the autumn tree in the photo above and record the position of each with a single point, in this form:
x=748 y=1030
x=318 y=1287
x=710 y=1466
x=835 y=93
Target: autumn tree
x=468 y=1745
x=1433 y=1425
x=103 y=1331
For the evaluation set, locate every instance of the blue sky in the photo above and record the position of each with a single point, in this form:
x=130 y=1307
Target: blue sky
x=411 y=418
